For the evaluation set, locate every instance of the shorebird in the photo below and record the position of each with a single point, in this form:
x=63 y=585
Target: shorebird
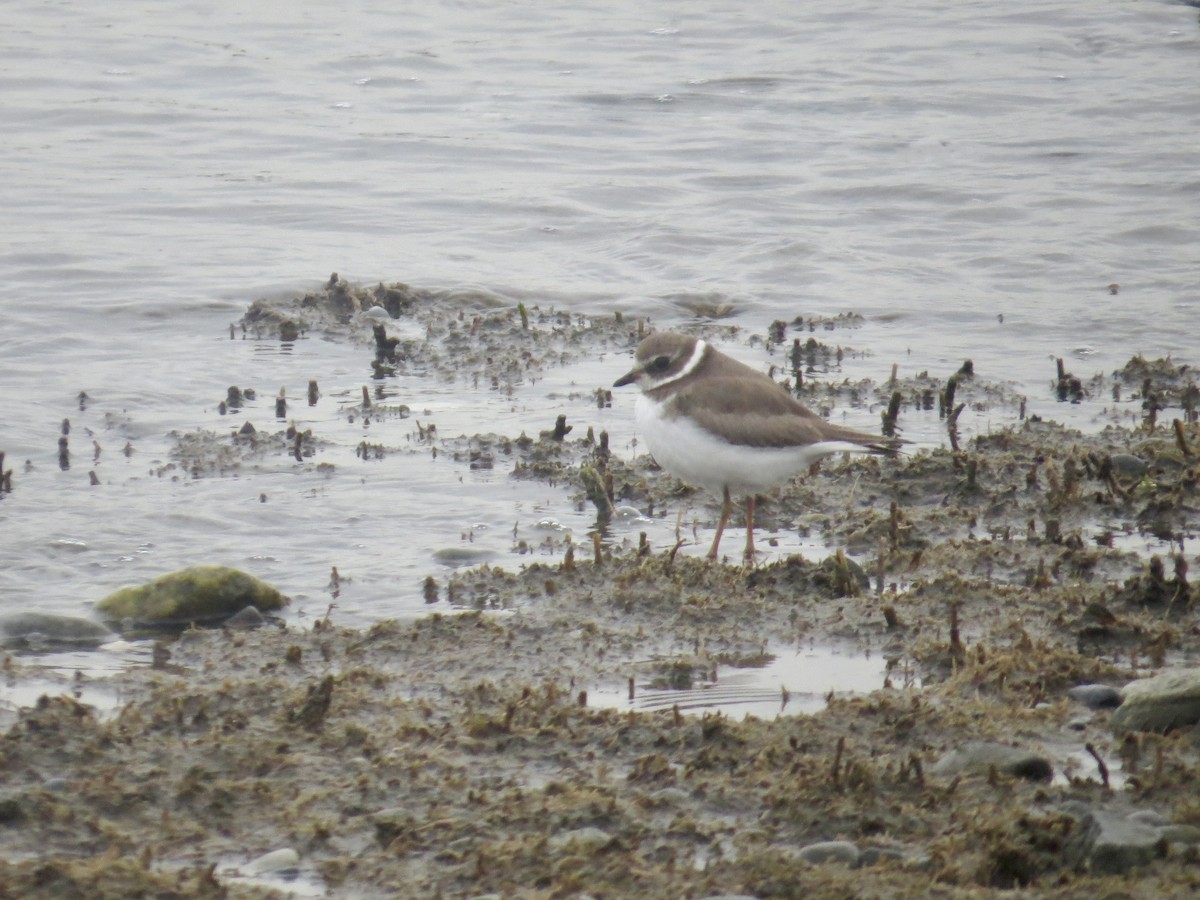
x=717 y=423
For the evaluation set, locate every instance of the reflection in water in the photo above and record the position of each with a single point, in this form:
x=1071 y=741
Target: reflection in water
x=791 y=682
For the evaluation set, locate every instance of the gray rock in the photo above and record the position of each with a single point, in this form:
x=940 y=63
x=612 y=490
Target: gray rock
x=1096 y=696
x=830 y=852
x=1180 y=834
x=247 y=620
x=1128 y=466
x=1151 y=817
x=979 y=757
x=38 y=629
x=1159 y=703
x=1113 y=845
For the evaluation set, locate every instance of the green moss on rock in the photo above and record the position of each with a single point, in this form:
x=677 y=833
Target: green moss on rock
x=200 y=594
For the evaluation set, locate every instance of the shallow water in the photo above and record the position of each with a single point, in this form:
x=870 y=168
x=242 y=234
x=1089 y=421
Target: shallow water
x=790 y=681
x=969 y=177
x=81 y=674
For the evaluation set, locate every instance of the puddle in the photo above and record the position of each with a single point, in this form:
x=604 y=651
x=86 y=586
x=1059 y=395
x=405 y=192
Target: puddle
x=17 y=693
x=80 y=674
x=1144 y=543
x=791 y=682
x=1076 y=763
x=279 y=871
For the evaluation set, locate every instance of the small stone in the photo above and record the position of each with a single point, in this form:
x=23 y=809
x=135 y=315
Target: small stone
x=275 y=861
x=842 y=852
x=38 y=629
x=1180 y=834
x=1128 y=466
x=1151 y=817
x=671 y=797
x=588 y=839
x=1113 y=845
x=979 y=757
x=247 y=620
x=1096 y=696
x=1159 y=703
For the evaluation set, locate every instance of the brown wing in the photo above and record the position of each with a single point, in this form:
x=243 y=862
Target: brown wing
x=756 y=413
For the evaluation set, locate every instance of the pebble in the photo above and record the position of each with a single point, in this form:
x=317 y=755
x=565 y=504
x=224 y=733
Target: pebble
x=831 y=852
x=38 y=628
x=978 y=757
x=1159 y=703
x=1151 y=817
x=275 y=861
x=1113 y=845
x=589 y=839
x=1180 y=834
x=1167 y=830
x=1096 y=696
x=629 y=514
x=1128 y=466
x=246 y=620
x=670 y=796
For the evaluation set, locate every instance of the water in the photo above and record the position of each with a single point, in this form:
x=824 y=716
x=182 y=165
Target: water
x=969 y=176
x=788 y=681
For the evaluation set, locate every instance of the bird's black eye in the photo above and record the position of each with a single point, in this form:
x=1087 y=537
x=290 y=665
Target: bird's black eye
x=659 y=364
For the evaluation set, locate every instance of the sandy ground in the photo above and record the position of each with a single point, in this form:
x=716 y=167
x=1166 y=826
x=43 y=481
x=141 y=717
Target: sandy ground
x=461 y=754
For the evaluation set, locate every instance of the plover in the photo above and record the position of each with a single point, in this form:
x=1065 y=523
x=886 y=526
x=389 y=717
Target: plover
x=717 y=423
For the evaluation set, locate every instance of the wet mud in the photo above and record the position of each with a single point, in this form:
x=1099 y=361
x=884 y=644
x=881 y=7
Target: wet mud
x=464 y=753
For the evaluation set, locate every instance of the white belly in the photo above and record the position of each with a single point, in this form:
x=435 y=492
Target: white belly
x=694 y=455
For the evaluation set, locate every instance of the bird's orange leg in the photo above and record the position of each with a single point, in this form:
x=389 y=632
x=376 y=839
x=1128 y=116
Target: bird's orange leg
x=725 y=512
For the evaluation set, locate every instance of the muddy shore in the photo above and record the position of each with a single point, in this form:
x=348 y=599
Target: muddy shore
x=464 y=754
